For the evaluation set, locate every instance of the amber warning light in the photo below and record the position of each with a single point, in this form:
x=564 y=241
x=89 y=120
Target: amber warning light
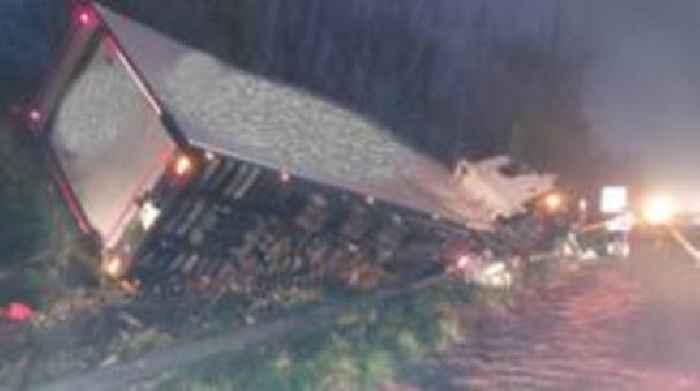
x=183 y=165
x=114 y=266
x=554 y=202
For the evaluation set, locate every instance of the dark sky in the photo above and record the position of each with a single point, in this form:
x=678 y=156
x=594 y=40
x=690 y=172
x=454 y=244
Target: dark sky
x=644 y=96
x=645 y=90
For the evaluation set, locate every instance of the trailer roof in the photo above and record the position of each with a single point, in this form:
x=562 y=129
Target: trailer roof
x=222 y=108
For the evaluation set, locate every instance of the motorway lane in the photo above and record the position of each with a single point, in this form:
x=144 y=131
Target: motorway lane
x=631 y=325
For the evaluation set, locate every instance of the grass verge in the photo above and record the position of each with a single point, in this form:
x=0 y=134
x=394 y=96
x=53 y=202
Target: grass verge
x=374 y=343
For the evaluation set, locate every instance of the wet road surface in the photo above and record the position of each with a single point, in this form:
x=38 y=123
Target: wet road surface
x=632 y=325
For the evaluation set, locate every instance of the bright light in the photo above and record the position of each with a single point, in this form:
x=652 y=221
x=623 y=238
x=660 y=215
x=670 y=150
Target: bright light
x=613 y=199
x=35 y=115
x=583 y=205
x=285 y=176
x=209 y=155
x=621 y=223
x=149 y=215
x=463 y=262
x=17 y=312
x=113 y=266
x=183 y=165
x=495 y=275
x=659 y=209
x=84 y=18
x=554 y=202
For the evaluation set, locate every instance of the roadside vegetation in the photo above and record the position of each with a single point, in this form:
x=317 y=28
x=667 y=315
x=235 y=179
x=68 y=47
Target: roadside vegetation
x=26 y=223
x=40 y=246
x=34 y=225
x=376 y=343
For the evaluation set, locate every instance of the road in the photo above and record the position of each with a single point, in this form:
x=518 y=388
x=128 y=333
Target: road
x=630 y=325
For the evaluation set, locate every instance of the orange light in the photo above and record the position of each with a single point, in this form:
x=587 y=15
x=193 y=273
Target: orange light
x=113 y=267
x=183 y=165
x=554 y=202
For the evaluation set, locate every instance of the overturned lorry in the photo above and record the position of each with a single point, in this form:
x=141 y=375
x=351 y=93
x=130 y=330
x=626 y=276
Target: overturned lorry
x=188 y=173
